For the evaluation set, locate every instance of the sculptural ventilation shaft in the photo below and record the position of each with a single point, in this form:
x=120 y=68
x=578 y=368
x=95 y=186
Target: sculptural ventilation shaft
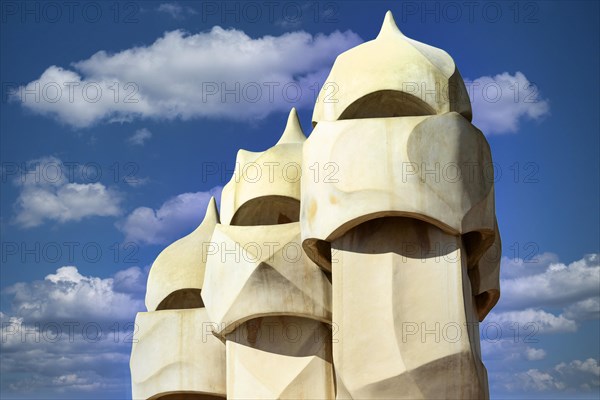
x=388 y=236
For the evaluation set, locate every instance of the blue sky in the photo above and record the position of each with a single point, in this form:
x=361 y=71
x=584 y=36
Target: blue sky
x=134 y=176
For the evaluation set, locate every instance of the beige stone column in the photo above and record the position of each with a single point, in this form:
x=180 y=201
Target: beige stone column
x=270 y=303
x=173 y=355
x=398 y=203
x=406 y=326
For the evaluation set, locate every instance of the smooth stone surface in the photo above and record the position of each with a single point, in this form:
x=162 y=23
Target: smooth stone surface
x=280 y=358
x=485 y=278
x=173 y=353
x=407 y=325
x=391 y=76
x=434 y=168
x=255 y=271
x=175 y=279
x=265 y=186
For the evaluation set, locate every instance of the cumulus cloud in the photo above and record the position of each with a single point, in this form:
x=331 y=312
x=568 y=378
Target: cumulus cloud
x=509 y=349
x=533 y=354
x=173 y=219
x=139 y=137
x=541 y=296
x=584 y=310
x=502 y=102
x=558 y=285
x=531 y=322
x=533 y=288
x=575 y=376
x=222 y=73
x=131 y=280
x=42 y=367
x=175 y=10
x=589 y=366
x=70 y=202
x=69 y=294
x=512 y=267
x=69 y=335
x=47 y=193
x=536 y=380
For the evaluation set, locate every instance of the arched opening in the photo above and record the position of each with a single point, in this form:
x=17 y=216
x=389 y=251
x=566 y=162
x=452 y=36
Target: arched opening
x=387 y=103
x=268 y=210
x=182 y=299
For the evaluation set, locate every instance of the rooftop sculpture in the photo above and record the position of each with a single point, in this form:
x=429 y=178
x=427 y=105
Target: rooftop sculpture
x=366 y=281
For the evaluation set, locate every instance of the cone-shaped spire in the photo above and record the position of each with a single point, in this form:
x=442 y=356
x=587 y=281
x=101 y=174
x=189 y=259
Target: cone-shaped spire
x=293 y=130
x=389 y=26
x=177 y=274
x=212 y=213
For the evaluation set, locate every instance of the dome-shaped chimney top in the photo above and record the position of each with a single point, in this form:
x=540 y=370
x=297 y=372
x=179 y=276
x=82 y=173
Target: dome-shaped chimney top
x=391 y=76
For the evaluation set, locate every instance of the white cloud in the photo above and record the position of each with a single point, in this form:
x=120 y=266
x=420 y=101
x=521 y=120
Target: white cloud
x=539 y=381
x=504 y=349
x=131 y=280
x=539 y=297
x=533 y=354
x=47 y=193
x=589 y=366
x=140 y=136
x=173 y=219
x=70 y=202
x=559 y=285
x=573 y=377
x=220 y=73
x=512 y=267
x=584 y=310
x=45 y=347
x=530 y=322
x=500 y=103
x=175 y=10
x=68 y=294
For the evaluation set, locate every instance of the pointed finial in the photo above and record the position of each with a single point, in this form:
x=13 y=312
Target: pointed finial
x=293 y=131
x=212 y=214
x=389 y=25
